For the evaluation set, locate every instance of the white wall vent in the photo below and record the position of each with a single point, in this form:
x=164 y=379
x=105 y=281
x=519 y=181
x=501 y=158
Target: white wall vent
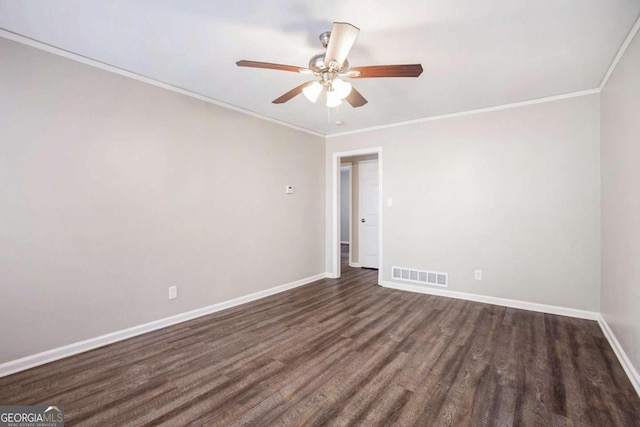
x=419 y=276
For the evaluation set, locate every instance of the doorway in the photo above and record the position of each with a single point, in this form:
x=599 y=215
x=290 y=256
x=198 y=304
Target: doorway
x=357 y=228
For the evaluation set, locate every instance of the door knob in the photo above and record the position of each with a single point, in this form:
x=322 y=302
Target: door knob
x=363 y=220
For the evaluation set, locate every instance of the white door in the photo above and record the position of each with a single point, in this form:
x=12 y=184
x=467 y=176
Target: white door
x=368 y=193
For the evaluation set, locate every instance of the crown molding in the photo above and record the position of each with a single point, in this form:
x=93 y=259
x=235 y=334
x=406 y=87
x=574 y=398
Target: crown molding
x=120 y=71
x=104 y=66
x=620 y=54
x=471 y=112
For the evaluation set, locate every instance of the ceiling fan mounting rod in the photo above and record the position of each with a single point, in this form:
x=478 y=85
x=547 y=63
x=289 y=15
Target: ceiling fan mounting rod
x=324 y=38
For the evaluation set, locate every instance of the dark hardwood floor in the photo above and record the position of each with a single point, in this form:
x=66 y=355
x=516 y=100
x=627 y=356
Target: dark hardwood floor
x=345 y=352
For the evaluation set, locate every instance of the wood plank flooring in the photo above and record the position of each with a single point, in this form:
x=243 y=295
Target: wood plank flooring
x=345 y=352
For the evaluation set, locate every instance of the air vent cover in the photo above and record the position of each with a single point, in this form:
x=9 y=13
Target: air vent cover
x=420 y=276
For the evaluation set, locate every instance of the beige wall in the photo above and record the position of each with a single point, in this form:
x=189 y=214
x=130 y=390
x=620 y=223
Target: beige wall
x=112 y=190
x=621 y=202
x=515 y=193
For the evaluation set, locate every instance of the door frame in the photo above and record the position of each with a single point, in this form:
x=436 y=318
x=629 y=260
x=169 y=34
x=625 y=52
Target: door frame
x=335 y=209
x=349 y=167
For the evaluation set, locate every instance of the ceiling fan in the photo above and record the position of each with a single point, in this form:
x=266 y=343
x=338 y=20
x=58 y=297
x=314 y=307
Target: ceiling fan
x=332 y=66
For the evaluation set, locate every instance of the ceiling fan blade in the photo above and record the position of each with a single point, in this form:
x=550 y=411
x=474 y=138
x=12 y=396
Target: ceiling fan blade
x=293 y=92
x=409 y=70
x=343 y=36
x=355 y=98
x=270 y=66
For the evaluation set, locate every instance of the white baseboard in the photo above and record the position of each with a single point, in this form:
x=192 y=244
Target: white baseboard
x=48 y=356
x=354 y=265
x=524 y=305
x=628 y=367
x=32 y=361
x=344 y=243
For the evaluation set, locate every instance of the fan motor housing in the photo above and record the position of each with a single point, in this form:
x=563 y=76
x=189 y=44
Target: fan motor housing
x=316 y=64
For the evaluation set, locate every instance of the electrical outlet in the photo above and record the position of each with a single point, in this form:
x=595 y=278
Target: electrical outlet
x=478 y=274
x=173 y=292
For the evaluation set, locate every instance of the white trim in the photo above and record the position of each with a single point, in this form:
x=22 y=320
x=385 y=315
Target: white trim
x=505 y=302
x=620 y=53
x=335 y=208
x=470 y=112
x=116 y=70
x=354 y=264
x=48 y=356
x=335 y=219
x=350 y=169
x=347 y=167
x=628 y=367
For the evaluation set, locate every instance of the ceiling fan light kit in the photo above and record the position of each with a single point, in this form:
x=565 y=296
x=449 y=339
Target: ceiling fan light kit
x=333 y=99
x=332 y=66
x=336 y=91
x=342 y=88
x=312 y=91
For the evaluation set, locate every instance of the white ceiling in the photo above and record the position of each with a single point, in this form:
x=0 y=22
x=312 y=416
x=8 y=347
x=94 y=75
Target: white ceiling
x=475 y=54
